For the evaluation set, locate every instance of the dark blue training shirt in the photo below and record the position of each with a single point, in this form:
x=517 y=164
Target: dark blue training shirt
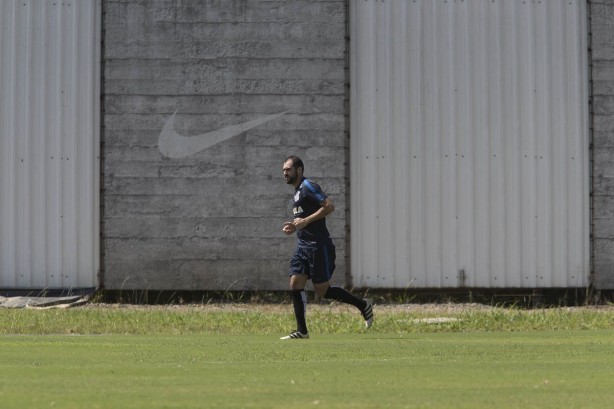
x=307 y=199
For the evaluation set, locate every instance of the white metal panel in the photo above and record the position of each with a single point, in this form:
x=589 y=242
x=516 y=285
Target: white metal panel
x=49 y=143
x=469 y=143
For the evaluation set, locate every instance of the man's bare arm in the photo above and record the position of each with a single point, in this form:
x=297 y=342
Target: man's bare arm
x=327 y=207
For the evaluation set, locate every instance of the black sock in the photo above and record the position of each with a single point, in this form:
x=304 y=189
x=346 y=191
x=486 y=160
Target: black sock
x=299 y=301
x=339 y=294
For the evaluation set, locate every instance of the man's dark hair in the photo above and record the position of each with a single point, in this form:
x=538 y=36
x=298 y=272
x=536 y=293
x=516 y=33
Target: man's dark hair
x=296 y=162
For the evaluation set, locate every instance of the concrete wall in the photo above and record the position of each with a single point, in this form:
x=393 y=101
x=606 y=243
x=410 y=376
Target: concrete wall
x=602 y=31
x=212 y=220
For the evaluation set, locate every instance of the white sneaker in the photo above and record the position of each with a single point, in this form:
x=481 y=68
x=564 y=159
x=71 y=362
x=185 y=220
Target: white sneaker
x=367 y=313
x=296 y=335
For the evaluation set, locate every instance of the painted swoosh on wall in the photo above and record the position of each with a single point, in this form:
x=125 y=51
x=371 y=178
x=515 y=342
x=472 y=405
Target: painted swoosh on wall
x=175 y=146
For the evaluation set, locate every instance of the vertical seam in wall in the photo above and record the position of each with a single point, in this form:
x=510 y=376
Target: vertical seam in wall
x=346 y=107
x=591 y=148
x=101 y=268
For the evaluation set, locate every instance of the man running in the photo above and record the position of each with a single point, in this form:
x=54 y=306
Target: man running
x=314 y=257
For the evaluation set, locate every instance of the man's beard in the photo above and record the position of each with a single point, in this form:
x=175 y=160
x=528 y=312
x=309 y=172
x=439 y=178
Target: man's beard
x=291 y=179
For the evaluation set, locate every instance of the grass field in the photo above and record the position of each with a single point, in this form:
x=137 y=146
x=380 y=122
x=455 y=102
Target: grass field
x=231 y=357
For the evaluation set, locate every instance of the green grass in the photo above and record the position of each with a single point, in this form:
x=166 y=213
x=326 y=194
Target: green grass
x=205 y=357
x=278 y=319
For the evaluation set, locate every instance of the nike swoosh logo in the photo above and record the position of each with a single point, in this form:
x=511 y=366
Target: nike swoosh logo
x=175 y=146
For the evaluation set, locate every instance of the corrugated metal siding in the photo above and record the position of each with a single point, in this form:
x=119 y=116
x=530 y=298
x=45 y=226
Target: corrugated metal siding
x=49 y=143
x=469 y=143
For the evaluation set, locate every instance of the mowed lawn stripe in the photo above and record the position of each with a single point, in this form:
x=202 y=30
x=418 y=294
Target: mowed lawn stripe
x=546 y=369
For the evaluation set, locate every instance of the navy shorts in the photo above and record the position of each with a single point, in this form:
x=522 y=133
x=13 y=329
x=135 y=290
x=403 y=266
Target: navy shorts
x=317 y=262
